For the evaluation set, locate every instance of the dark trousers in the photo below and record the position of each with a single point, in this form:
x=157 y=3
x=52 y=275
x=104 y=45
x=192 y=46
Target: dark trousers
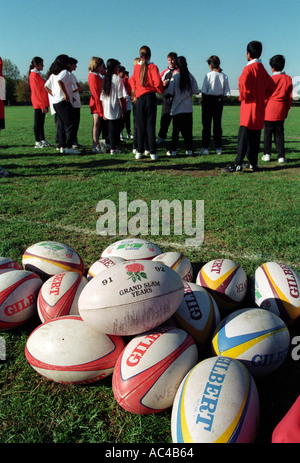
x=166 y=118
x=248 y=145
x=76 y=113
x=212 y=109
x=125 y=122
x=39 y=122
x=113 y=126
x=65 y=123
x=182 y=123
x=146 y=122
x=275 y=128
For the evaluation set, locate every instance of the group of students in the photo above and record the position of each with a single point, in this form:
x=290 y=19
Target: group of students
x=265 y=103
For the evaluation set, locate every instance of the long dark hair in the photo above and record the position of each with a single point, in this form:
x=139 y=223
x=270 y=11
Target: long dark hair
x=34 y=62
x=111 y=66
x=60 y=63
x=184 y=80
x=145 y=55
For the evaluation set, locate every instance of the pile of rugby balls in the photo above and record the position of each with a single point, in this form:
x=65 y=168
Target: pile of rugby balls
x=142 y=316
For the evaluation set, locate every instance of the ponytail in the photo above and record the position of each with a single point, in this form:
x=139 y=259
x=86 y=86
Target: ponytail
x=145 y=55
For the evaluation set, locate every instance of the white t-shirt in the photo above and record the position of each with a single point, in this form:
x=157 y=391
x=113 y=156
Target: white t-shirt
x=216 y=83
x=182 y=101
x=111 y=105
x=52 y=83
x=76 y=96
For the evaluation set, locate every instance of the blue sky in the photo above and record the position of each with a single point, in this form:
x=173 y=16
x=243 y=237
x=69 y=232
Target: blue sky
x=117 y=29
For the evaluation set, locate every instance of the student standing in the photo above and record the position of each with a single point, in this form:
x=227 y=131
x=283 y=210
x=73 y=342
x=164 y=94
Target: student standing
x=60 y=86
x=39 y=100
x=95 y=79
x=146 y=82
x=113 y=92
x=277 y=108
x=182 y=87
x=76 y=101
x=215 y=87
x=255 y=85
x=166 y=116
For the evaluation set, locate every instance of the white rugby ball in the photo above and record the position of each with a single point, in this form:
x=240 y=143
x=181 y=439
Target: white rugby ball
x=177 y=262
x=198 y=313
x=7 y=264
x=102 y=264
x=59 y=295
x=217 y=402
x=225 y=280
x=131 y=297
x=18 y=297
x=132 y=249
x=256 y=337
x=67 y=350
x=150 y=369
x=277 y=288
x=48 y=258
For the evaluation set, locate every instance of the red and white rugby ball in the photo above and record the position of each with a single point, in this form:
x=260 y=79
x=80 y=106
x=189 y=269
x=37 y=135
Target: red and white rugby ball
x=131 y=297
x=102 y=264
x=177 y=262
x=59 y=295
x=277 y=288
x=225 y=280
x=198 y=313
x=67 y=350
x=18 y=297
x=217 y=402
x=150 y=369
x=132 y=249
x=7 y=264
x=256 y=337
x=48 y=258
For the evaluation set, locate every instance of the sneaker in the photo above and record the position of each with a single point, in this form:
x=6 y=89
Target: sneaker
x=45 y=143
x=146 y=152
x=71 y=151
x=281 y=160
x=61 y=149
x=233 y=168
x=116 y=151
x=171 y=153
x=189 y=152
x=122 y=136
x=160 y=140
x=138 y=155
x=154 y=156
x=219 y=151
x=97 y=149
x=204 y=151
x=39 y=144
x=105 y=147
x=266 y=157
x=247 y=165
x=130 y=136
x=3 y=173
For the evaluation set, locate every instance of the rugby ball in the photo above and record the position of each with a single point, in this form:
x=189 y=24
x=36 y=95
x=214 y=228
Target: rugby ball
x=18 y=297
x=131 y=297
x=177 y=262
x=66 y=350
x=7 y=264
x=48 y=258
x=225 y=280
x=150 y=369
x=277 y=288
x=217 y=402
x=197 y=313
x=102 y=264
x=59 y=295
x=132 y=249
x=256 y=337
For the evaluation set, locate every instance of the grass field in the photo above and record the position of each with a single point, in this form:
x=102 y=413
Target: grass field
x=249 y=217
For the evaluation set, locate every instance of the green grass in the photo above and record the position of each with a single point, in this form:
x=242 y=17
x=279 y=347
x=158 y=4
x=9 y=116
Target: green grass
x=249 y=217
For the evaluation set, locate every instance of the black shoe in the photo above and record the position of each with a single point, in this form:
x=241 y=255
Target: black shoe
x=247 y=165
x=233 y=168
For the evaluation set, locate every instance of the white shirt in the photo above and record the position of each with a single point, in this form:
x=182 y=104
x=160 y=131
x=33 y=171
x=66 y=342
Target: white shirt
x=52 y=84
x=182 y=101
x=76 y=95
x=216 y=83
x=111 y=105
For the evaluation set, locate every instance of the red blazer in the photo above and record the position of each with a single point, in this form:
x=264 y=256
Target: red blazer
x=280 y=102
x=95 y=84
x=255 y=85
x=39 y=96
x=154 y=83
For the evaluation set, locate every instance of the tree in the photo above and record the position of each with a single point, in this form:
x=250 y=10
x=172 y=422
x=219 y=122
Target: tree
x=11 y=75
x=22 y=91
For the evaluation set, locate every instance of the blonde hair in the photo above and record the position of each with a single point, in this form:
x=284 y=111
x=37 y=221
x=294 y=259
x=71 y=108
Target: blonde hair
x=145 y=55
x=136 y=61
x=95 y=63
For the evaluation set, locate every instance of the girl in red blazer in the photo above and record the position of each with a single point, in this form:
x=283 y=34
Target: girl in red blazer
x=146 y=82
x=39 y=99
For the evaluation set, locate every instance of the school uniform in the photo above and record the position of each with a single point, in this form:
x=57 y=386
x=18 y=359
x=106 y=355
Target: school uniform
x=255 y=85
x=95 y=82
x=215 y=87
x=146 y=105
x=166 y=116
x=276 y=111
x=76 y=105
x=40 y=102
